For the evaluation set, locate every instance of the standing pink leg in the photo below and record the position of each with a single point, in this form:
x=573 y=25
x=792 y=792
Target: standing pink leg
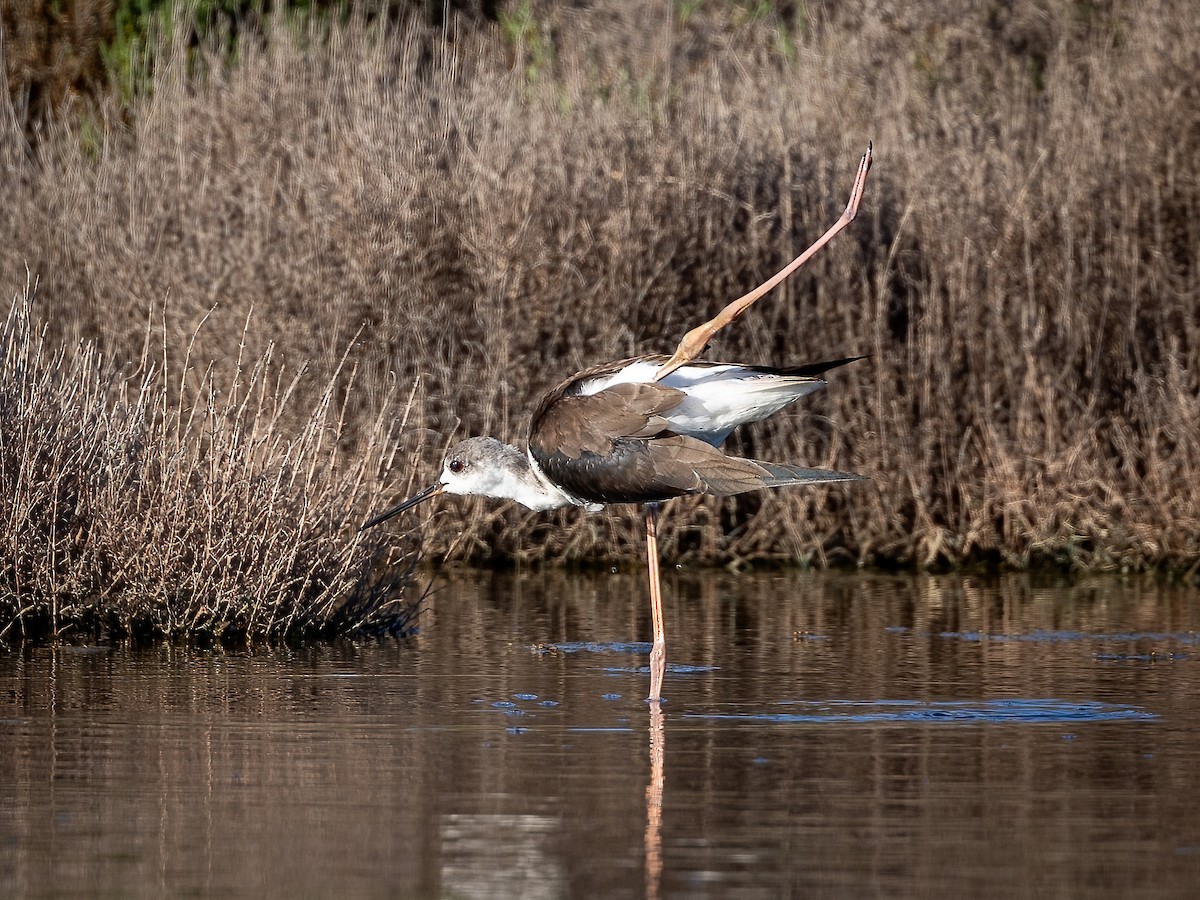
x=658 y=655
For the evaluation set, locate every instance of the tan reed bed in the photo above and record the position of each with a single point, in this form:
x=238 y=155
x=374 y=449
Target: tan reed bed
x=490 y=209
x=126 y=513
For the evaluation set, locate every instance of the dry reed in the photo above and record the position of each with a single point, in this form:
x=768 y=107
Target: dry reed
x=489 y=209
x=128 y=514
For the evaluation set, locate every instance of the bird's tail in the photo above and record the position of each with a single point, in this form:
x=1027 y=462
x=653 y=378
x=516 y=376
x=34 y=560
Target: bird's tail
x=735 y=475
x=815 y=370
x=778 y=475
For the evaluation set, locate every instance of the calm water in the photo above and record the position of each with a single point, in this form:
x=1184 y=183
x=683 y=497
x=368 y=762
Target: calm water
x=824 y=735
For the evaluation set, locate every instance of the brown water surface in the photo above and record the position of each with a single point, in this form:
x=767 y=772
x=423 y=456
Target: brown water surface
x=822 y=735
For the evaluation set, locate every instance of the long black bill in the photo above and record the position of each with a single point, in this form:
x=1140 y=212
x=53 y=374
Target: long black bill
x=432 y=491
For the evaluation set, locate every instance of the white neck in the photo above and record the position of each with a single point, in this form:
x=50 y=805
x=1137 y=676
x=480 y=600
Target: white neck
x=525 y=483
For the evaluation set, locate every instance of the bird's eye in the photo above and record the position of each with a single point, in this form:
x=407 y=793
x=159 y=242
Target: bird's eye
x=456 y=466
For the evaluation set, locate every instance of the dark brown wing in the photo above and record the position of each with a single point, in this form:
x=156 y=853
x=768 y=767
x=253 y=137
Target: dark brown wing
x=597 y=446
x=574 y=424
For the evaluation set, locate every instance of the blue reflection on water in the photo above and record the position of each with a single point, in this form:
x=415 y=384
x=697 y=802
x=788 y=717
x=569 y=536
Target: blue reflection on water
x=1024 y=710
x=673 y=668
x=622 y=647
x=597 y=647
x=1051 y=637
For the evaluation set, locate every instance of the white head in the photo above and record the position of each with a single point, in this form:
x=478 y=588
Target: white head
x=481 y=466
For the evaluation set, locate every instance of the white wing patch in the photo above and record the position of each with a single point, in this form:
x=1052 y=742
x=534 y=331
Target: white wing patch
x=720 y=397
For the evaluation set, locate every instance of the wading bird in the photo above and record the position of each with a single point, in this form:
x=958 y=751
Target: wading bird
x=645 y=430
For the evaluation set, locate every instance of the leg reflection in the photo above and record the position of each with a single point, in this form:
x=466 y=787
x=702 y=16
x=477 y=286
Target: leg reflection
x=654 y=796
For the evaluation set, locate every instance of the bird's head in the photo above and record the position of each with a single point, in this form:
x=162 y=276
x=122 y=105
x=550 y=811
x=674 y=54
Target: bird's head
x=481 y=466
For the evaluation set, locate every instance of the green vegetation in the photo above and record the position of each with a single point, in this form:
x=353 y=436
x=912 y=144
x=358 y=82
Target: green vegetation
x=523 y=35
x=404 y=201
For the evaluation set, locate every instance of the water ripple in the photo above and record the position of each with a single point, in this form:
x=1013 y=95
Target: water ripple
x=1053 y=637
x=1023 y=710
x=595 y=647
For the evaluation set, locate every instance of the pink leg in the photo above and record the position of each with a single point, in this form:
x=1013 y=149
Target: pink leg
x=658 y=655
x=697 y=339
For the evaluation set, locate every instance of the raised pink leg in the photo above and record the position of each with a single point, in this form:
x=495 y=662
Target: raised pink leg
x=697 y=339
